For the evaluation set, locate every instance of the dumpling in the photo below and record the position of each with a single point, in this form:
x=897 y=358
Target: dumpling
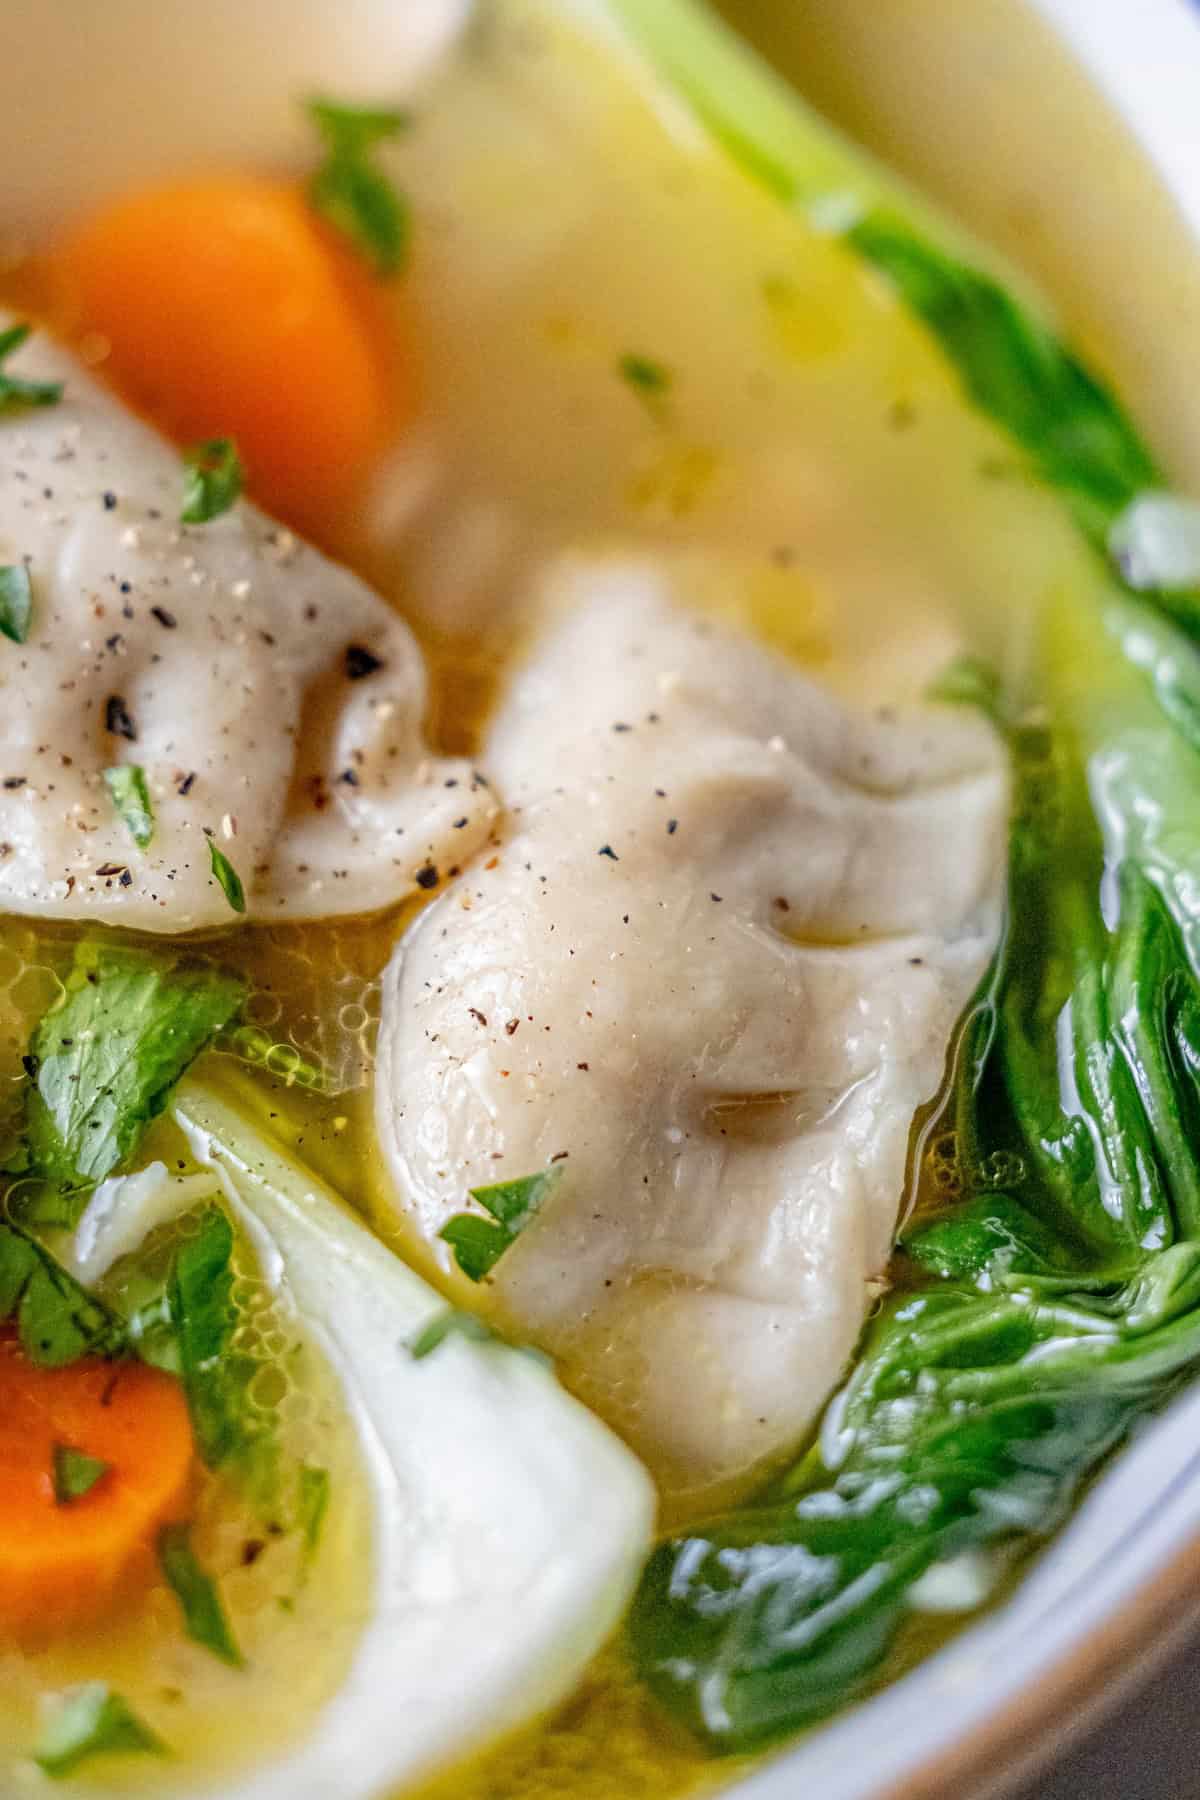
x=709 y=976
x=271 y=699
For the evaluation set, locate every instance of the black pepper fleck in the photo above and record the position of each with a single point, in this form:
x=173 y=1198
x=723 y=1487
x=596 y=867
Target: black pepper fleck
x=360 y=662
x=118 y=720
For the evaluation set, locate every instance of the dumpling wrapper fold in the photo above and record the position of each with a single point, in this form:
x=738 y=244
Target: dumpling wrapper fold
x=711 y=975
x=272 y=700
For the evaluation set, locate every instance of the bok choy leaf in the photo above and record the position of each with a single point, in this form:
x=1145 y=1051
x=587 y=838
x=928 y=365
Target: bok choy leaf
x=1056 y=1280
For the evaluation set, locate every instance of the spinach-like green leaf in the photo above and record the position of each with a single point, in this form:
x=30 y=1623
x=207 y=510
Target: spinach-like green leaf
x=15 y=392
x=230 y=1431
x=1018 y=372
x=108 y=1056
x=16 y=602
x=92 y=1719
x=57 y=1320
x=478 y=1244
x=75 y=1473
x=971 y=1421
x=197 y=1594
x=349 y=191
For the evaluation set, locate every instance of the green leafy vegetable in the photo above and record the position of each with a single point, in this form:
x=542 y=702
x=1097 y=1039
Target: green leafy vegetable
x=1062 y=1281
x=446 y=1324
x=92 y=1719
x=75 y=1473
x=1013 y=366
x=196 y=1591
x=14 y=392
x=57 y=1320
x=347 y=189
x=1016 y=371
x=228 y=879
x=130 y=796
x=16 y=602
x=215 y=478
x=217 y=1376
x=108 y=1056
x=478 y=1244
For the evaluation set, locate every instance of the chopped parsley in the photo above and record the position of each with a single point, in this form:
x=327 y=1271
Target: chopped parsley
x=108 y=1055
x=126 y=784
x=196 y=1591
x=450 y=1321
x=215 y=478
x=478 y=1244
x=15 y=392
x=91 y=1719
x=16 y=601
x=216 y=1376
x=649 y=378
x=75 y=1473
x=228 y=879
x=350 y=192
x=58 y=1321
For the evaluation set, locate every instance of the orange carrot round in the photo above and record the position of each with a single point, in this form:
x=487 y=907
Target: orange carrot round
x=63 y=1560
x=230 y=310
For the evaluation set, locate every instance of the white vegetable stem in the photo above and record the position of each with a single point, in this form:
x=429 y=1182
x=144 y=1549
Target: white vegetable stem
x=510 y=1526
x=123 y=1212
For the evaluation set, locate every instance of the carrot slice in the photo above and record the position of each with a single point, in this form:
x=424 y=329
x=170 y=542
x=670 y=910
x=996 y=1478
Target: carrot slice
x=64 y=1560
x=231 y=310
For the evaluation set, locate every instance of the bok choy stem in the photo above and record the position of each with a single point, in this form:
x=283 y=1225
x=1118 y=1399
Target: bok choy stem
x=1057 y=1295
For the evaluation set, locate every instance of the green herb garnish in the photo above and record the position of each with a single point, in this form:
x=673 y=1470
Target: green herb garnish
x=453 y=1321
x=92 y=1719
x=228 y=879
x=14 y=392
x=75 y=1473
x=107 y=1057
x=217 y=1376
x=16 y=602
x=355 y=197
x=196 y=1591
x=126 y=784
x=478 y=1244
x=58 y=1321
x=650 y=379
x=215 y=478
